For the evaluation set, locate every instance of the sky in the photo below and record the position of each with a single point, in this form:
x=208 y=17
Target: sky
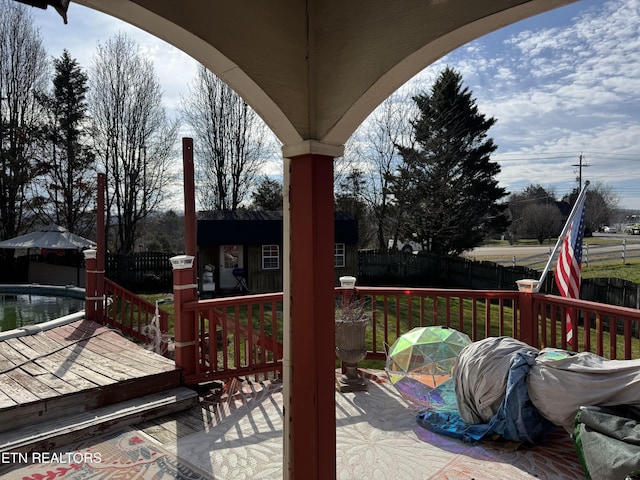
x=564 y=87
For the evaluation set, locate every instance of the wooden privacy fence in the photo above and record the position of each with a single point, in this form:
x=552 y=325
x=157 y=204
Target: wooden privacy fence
x=429 y=270
x=141 y=271
x=613 y=291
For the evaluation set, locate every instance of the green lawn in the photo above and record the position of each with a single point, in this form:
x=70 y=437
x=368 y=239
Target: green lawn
x=630 y=270
x=167 y=306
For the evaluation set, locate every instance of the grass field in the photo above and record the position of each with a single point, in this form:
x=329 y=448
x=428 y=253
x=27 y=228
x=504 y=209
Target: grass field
x=606 y=269
x=613 y=269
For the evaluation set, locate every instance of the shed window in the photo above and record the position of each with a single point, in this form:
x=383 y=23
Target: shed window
x=270 y=257
x=338 y=255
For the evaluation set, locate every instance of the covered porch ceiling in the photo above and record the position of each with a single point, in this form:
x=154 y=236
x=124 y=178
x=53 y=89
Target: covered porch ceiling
x=315 y=69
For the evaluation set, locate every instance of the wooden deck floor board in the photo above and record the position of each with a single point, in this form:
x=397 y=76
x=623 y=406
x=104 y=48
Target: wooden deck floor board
x=32 y=384
x=12 y=354
x=18 y=360
x=106 y=366
x=110 y=344
x=40 y=343
x=135 y=361
x=73 y=372
x=6 y=401
x=66 y=384
x=43 y=367
x=15 y=391
x=22 y=348
x=143 y=359
x=112 y=341
x=134 y=355
x=79 y=330
x=54 y=362
x=142 y=353
x=92 y=367
x=75 y=368
x=5 y=363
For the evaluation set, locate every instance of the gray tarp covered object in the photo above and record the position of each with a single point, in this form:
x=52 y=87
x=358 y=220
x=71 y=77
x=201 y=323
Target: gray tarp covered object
x=607 y=441
x=557 y=387
x=480 y=376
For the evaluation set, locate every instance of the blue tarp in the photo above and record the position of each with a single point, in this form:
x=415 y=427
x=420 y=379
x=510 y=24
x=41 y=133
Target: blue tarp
x=516 y=419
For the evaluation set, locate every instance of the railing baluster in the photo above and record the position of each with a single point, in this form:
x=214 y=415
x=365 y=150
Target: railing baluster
x=587 y=332
x=398 y=314
x=487 y=317
x=613 y=331
x=448 y=311
x=627 y=338
x=474 y=320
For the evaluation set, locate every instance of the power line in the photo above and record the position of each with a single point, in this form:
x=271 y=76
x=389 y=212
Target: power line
x=580 y=165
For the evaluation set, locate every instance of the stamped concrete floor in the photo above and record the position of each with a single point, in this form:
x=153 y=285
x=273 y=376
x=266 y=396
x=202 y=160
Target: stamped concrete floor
x=377 y=438
x=238 y=435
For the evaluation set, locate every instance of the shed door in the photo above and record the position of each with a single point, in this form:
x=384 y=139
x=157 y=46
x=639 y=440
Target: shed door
x=230 y=258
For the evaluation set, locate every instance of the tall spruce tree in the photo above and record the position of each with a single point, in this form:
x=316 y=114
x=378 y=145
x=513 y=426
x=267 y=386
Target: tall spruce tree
x=446 y=183
x=65 y=191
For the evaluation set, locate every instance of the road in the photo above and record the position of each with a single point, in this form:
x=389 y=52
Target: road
x=535 y=254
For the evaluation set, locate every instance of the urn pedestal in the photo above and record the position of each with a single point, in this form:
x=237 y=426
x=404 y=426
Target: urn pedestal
x=350 y=349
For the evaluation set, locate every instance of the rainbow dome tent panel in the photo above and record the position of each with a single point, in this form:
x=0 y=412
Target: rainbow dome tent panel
x=420 y=365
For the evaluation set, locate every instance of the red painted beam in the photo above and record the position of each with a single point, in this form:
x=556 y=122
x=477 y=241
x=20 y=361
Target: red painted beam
x=310 y=420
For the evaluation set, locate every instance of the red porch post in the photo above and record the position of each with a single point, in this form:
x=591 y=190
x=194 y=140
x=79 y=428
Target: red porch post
x=309 y=358
x=184 y=290
x=101 y=247
x=528 y=318
x=190 y=240
x=90 y=263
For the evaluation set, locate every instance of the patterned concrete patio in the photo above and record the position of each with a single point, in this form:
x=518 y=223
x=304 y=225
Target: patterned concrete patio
x=239 y=436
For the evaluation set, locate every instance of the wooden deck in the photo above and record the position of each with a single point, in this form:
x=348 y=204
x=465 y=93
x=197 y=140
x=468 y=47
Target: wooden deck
x=52 y=379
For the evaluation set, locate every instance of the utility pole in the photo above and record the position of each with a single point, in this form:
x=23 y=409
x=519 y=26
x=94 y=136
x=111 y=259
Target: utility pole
x=580 y=165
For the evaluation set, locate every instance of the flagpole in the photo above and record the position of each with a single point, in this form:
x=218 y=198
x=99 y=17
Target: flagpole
x=583 y=192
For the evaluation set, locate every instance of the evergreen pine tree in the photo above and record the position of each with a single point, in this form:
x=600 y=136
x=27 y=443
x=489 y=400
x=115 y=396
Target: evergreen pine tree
x=66 y=187
x=446 y=182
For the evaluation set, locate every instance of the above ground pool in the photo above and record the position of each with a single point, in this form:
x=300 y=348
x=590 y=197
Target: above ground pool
x=23 y=305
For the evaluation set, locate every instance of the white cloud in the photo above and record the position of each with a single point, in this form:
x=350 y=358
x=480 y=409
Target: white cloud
x=560 y=84
x=560 y=90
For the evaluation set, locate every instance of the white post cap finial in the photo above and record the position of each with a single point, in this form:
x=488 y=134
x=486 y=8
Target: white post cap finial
x=348 y=281
x=180 y=262
x=528 y=285
x=90 y=254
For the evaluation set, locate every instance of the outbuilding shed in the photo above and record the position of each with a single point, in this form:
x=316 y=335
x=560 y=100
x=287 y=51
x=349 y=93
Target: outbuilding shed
x=242 y=251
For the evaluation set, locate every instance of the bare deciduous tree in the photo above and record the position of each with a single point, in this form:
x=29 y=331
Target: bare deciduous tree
x=134 y=140
x=231 y=142
x=601 y=204
x=543 y=221
x=372 y=151
x=23 y=73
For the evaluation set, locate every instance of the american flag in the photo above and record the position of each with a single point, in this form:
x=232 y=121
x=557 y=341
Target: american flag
x=570 y=263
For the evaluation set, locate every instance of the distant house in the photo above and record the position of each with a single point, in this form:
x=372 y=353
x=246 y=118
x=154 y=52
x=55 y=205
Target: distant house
x=242 y=250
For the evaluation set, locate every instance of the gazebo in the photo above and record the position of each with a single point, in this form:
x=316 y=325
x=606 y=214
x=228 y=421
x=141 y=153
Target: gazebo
x=314 y=70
